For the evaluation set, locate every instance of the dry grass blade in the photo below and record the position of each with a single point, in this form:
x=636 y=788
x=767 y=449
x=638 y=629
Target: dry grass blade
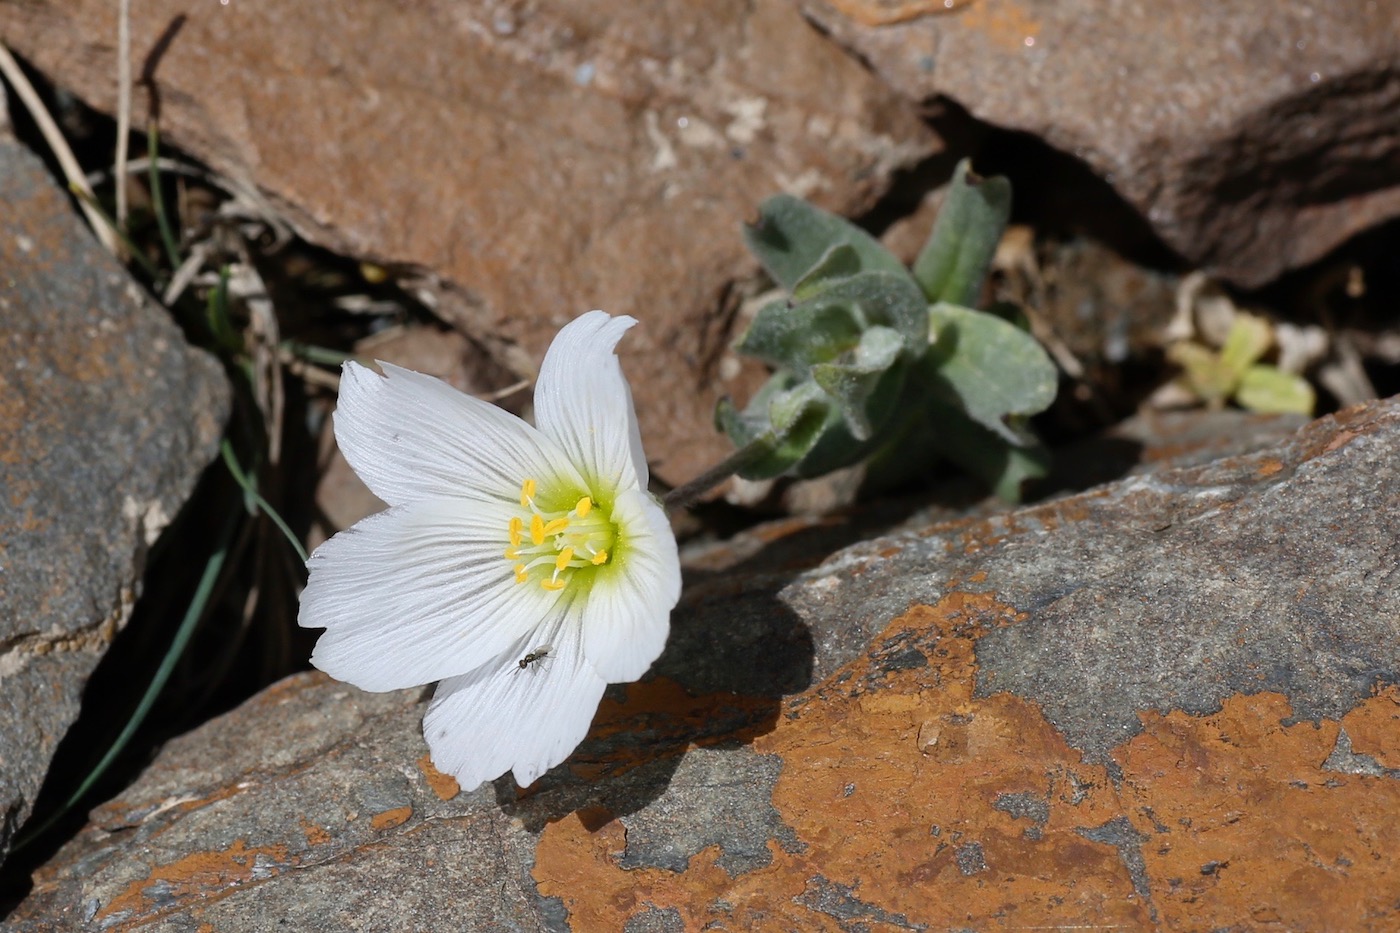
x=66 y=160
x=123 y=106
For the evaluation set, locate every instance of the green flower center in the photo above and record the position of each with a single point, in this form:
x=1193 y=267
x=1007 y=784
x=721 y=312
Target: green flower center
x=551 y=545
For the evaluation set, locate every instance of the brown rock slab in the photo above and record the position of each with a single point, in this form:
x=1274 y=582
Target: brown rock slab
x=107 y=418
x=1167 y=701
x=1254 y=138
x=537 y=160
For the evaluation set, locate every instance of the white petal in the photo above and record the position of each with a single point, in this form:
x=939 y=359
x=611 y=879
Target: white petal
x=583 y=402
x=418 y=593
x=500 y=718
x=412 y=437
x=627 y=612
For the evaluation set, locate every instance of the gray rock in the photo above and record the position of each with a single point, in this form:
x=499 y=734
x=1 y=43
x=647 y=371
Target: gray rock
x=1253 y=137
x=1094 y=707
x=107 y=418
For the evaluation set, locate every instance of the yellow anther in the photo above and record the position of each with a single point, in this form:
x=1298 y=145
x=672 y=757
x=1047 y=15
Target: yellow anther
x=537 y=529
x=516 y=527
x=600 y=558
x=585 y=505
x=512 y=553
x=552 y=584
x=563 y=559
x=527 y=492
x=555 y=525
x=520 y=573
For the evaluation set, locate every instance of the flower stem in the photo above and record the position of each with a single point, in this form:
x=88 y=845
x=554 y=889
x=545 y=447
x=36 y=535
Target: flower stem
x=687 y=494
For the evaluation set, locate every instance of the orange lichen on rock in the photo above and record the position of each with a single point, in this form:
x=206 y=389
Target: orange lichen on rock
x=315 y=835
x=918 y=827
x=675 y=719
x=918 y=800
x=201 y=876
x=1248 y=827
x=1374 y=728
x=388 y=819
x=445 y=786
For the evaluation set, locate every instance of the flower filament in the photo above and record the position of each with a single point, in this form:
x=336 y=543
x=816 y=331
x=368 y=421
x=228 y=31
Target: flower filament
x=549 y=545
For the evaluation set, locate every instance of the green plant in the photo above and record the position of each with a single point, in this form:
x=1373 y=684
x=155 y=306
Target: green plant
x=875 y=361
x=1233 y=372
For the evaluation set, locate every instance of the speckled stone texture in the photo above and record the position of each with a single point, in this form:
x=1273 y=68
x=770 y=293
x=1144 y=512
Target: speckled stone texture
x=1169 y=701
x=533 y=160
x=107 y=418
x=1254 y=137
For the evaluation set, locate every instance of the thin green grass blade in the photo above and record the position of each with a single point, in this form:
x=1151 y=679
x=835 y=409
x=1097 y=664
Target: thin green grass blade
x=246 y=482
x=167 y=235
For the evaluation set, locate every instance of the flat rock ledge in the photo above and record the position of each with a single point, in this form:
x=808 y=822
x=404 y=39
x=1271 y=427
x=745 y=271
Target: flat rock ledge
x=1168 y=701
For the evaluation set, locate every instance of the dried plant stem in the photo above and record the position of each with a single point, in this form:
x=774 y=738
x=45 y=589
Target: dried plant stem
x=123 y=106
x=66 y=161
x=685 y=495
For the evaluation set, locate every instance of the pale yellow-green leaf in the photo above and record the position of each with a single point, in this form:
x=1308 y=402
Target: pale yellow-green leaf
x=1247 y=341
x=1270 y=390
x=1203 y=372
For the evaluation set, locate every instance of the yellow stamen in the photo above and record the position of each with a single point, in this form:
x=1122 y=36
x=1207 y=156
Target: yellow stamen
x=537 y=529
x=555 y=525
x=563 y=559
x=516 y=527
x=585 y=505
x=600 y=558
x=512 y=553
x=527 y=492
x=552 y=584
x=520 y=575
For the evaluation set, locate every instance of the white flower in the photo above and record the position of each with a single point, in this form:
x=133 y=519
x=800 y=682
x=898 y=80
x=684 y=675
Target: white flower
x=524 y=568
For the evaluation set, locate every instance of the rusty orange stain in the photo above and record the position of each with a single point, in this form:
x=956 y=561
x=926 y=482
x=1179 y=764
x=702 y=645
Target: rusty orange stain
x=896 y=785
x=315 y=835
x=202 y=877
x=1254 y=828
x=1004 y=22
x=889 y=12
x=1341 y=438
x=1374 y=727
x=1269 y=467
x=388 y=819
x=445 y=786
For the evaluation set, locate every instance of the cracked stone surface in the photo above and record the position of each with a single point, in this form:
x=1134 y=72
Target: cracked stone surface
x=529 y=160
x=1253 y=137
x=107 y=420
x=1171 y=700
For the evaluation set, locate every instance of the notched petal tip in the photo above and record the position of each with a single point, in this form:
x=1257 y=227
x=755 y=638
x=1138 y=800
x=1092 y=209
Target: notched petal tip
x=583 y=401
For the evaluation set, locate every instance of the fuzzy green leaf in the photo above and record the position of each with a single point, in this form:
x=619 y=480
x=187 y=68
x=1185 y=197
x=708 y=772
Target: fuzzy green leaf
x=885 y=300
x=965 y=235
x=989 y=368
x=795 y=336
x=1002 y=466
x=852 y=383
x=792 y=238
x=789 y=416
x=831 y=320
x=840 y=262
